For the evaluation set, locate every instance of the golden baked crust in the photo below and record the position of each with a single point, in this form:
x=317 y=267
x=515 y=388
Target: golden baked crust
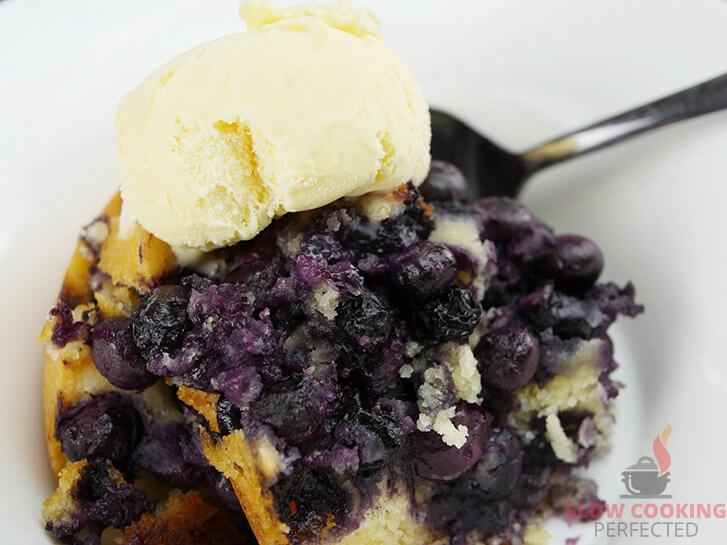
x=233 y=457
x=185 y=518
x=70 y=375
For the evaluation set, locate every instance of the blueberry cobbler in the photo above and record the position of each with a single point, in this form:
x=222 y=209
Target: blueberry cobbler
x=297 y=329
x=407 y=367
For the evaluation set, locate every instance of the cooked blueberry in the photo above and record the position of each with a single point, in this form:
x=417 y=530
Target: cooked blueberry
x=570 y=317
x=387 y=445
x=241 y=385
x=579 y=263
x=508 y=357
x=450 y=317
x=363 y=321
x=360 y=234
x=294 y=414
x=502 y=218
x=533 y=486
x=106 y=425
x=116 y=356
x=437 y=461
x=307 y=500
x=423 y=270
x=403 y=230
x=255 y=264
x=170 y=451
x=322 y=247
x=106 y=498
x=160 y=319
x=500 y=466
x=445 y=182
x=393 y=234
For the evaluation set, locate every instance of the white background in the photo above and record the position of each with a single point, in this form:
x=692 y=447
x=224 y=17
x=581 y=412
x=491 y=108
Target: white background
x=521 y=71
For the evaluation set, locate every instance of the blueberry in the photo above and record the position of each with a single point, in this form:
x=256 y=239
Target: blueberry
x=508 y=357
x=106 y=498
x=169 y=451
x=362 y=321
x=578 y=263
x=360 y=234
x=389 y=435
x=450 y=317
x=501 y=463
x=322 y=247
x=424 y=270
x=437 y=461
x=160 y=320
x=402 y=231
x=502 y=218
x=445 y=182
x=570 y=317
x=393 y=234
x=242 y=385
x=117 y=357
x=307 y=500
x=295 y=414
x=106 y=425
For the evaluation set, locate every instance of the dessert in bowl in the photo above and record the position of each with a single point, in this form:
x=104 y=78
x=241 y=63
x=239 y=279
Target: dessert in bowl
x=360 y=353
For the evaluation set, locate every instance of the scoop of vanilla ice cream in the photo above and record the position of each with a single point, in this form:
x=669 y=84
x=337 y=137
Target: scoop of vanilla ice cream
x=307 y=106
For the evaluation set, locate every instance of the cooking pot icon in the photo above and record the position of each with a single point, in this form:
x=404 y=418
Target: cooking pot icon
x=643 y=480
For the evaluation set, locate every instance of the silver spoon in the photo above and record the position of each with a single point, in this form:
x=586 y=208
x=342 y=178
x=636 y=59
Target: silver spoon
x=493 y=170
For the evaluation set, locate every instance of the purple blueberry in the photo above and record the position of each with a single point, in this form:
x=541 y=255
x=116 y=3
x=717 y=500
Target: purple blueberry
x=508 y=357
x=171 y=451
x=578 y=263
x=500 y=465
x=241 y=385
x=307 y=499
x=388 y=441
x=445 y=182
x=105 y=499
x=106 y=425
x=363 y=321
x=424 y=270
x=116 y=356
x=437 y=461
x=295 y=414
x=450 y=317
x=502 y=218
x=160 y=320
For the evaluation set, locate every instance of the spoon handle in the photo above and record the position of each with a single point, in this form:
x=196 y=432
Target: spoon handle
x=701 y=99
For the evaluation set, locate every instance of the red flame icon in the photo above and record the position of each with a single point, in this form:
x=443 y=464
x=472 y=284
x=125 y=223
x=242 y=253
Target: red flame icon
x=661 y=453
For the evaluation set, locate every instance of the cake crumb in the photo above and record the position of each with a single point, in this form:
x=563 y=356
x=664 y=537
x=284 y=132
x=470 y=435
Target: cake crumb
x=406 y=371
x=534 y=535
x=325 y=300
x=563 y=447
x=454 y=436
x=463 y=368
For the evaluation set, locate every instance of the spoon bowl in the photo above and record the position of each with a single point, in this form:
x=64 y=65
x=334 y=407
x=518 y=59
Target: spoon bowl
x=493 y=170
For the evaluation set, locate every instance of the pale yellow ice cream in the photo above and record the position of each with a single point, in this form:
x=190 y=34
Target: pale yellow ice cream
x=307 y=106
